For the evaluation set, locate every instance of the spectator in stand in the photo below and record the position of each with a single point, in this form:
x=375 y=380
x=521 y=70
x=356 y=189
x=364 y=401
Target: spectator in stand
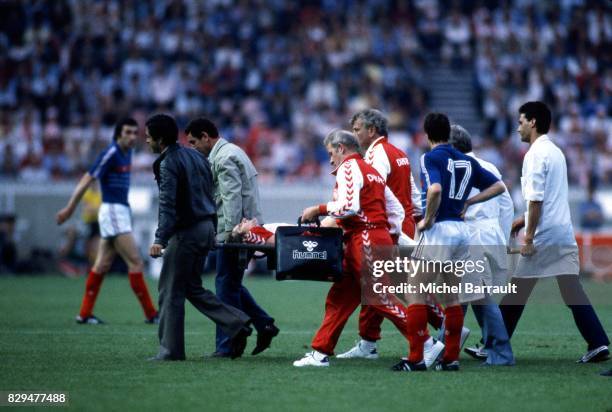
x=243 y=60
x=591 y=212
x=457 y=34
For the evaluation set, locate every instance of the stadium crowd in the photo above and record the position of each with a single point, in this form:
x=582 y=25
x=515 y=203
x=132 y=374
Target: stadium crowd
x=279 y=75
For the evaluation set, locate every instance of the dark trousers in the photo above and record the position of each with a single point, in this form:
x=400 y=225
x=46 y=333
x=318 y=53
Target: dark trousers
x=231 y=291
x=181 y=279
x=586 y=319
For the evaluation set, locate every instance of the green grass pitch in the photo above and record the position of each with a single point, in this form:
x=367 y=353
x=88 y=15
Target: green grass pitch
x=104 y=367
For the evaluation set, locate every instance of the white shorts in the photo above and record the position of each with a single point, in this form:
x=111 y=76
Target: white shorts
x=447 y=240
x=114 y=219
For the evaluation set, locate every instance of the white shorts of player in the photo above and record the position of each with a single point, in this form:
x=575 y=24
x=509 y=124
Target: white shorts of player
x=114 y=219
x=447 y=240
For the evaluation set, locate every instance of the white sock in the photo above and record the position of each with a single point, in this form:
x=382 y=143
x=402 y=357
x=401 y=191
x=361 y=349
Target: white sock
x=367 y=345
x=428 y=344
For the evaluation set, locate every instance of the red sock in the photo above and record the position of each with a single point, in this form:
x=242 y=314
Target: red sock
x=453 y=324
x=435 y=314
x=417 y=331
x=92 y=287
x=142 y=293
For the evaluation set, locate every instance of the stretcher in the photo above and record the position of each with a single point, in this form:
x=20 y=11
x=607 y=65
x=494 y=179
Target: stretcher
x=299 y=252
x=304 y=253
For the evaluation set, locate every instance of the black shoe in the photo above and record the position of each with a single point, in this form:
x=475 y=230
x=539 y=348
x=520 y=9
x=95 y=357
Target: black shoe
x=404 y=366
x=476 y=352
x=89 y=320
x=239 y=342
x=599 y=354
x=217 y=354
x=264 y=338
x=164 y=359
x=606 y=373
x=448 y=367
x=154 y=320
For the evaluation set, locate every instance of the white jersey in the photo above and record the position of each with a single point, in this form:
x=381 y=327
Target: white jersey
x=490 y=223
x=495 y=214
x=271 y=227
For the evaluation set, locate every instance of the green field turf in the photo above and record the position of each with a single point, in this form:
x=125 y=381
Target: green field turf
x=104 y=367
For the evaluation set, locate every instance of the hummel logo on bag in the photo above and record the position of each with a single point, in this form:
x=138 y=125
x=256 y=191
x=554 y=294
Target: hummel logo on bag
x=310 y=253
x=309 y=245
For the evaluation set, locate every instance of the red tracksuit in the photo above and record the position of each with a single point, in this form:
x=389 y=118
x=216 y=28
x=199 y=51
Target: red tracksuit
x=394 y=166
x=360 y=210
x=257 y=235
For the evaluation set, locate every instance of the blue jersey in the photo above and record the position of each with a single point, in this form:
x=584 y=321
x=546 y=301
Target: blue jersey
x=457 y=174
x=112 y=169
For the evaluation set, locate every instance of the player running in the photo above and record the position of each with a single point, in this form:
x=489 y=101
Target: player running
x=112 y=169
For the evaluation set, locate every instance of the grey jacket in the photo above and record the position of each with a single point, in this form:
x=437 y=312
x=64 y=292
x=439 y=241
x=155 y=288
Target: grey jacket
x=185 y=191
x=236 y=190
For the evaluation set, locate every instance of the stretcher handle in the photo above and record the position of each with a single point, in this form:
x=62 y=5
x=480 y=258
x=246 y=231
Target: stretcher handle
x=245 y=246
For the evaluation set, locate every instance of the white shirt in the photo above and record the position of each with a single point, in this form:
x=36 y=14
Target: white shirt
x=498 y=211
x=544 y=179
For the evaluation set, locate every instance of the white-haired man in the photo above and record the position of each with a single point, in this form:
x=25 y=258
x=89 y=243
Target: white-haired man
x=359 y=204
x=490 y=224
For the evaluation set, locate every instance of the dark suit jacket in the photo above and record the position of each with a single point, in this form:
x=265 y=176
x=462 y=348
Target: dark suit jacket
x=186 y=188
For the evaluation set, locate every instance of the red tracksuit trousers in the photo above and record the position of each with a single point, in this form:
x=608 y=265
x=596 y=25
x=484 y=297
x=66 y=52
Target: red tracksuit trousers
x=345 y=296
x=370 y=321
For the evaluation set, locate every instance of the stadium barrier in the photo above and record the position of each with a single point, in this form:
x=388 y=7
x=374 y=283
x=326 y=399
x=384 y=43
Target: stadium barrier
x=35 y=206
x=596 y=254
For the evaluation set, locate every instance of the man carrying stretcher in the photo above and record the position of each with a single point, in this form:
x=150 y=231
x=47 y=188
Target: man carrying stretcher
x=360 y=204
